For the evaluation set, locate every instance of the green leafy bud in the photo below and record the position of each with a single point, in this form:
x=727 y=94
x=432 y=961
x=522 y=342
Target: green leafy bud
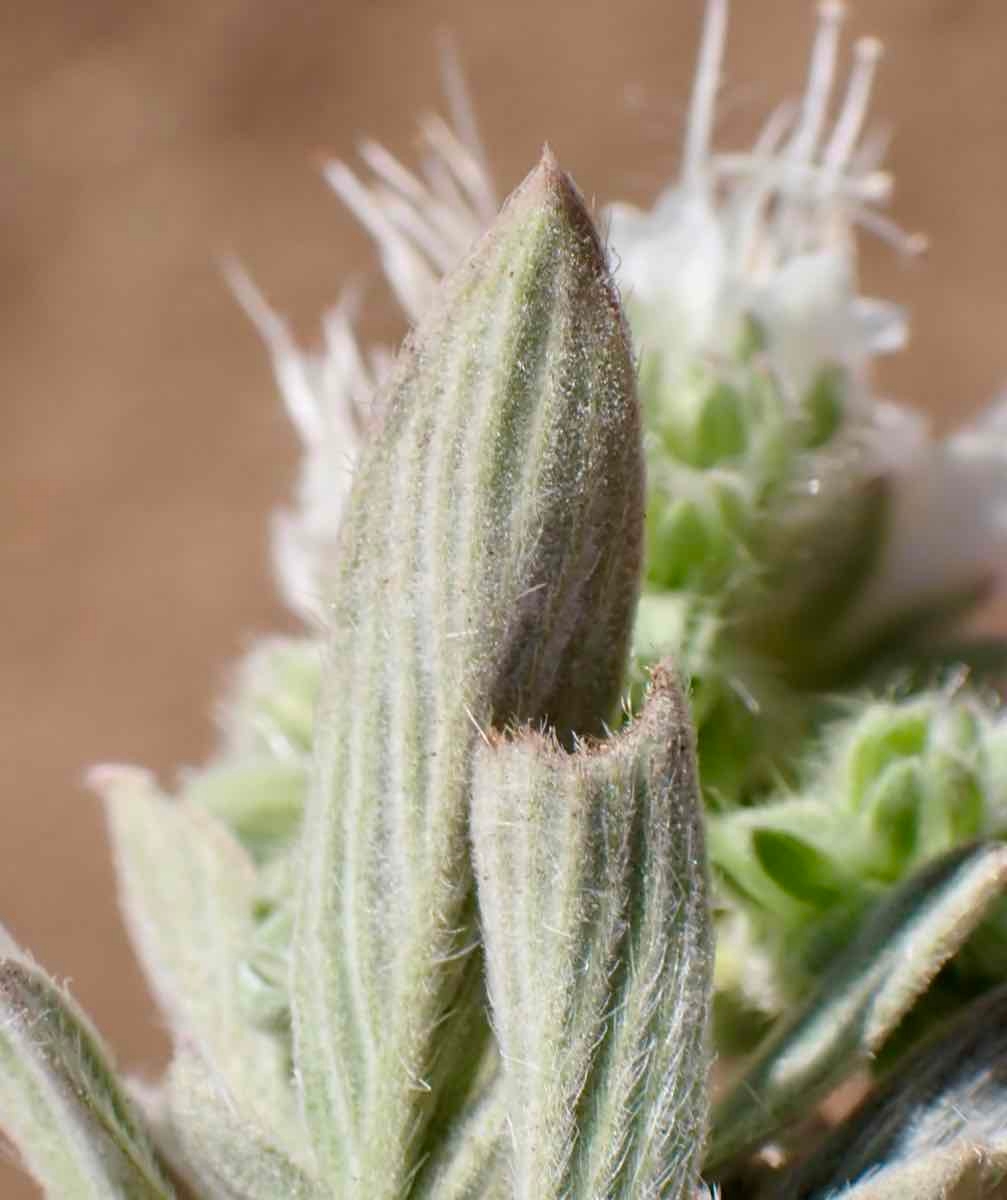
x=784 y=858
x=885 y=734
x=884 y=792
x=488 y=571
x=894 y=803
x=685 y=545
x=798 y=867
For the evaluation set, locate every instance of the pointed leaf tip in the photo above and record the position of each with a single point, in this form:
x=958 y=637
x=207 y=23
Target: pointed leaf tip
x=549 y=186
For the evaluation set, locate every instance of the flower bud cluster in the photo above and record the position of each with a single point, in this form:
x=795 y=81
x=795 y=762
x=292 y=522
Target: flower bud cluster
x=894 y=786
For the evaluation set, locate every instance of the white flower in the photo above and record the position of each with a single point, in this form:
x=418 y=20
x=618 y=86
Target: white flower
x=772 y=233
x=945 y=546
x=329 y=397
x=769 y=232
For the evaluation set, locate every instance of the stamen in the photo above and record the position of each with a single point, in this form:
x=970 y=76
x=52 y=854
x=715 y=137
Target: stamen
x=803 y=178
x=467 y=170
x=386 y=166
x=855 y=104
x=821 y=74
x=419 y=226
x=775 y=128
x=749 y=200
x=702 y=108
x=441 y=178
x=794 y=226
x=872 y=151
x=463 y=119
x=288 y=364
x=909 y=244
x=408 y=273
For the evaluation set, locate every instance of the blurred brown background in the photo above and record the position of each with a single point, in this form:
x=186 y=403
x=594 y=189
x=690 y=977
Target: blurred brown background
x=142 y=445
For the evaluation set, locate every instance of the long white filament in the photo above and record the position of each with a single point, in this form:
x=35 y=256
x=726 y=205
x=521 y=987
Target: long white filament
x=703 y=106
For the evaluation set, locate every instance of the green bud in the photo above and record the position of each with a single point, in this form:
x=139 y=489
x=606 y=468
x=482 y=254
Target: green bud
x=681 y=542
x=799 y=868
x=271 y=709
x=893 y=805
x=885 y=734
x=261 y=802
x=702 y=420
x=886 y=792
x=956 y=808
x=824 y=404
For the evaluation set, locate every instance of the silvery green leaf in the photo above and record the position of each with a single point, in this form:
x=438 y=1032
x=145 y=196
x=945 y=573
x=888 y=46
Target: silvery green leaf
x=951 y=1089
x=862 y=997
x=961 y=1171
x=60 y=1102
x=187 y=889
x=231 y=1157
x=593 y=895
x=471 y=1163
x=151 y=1098
x=487 y=571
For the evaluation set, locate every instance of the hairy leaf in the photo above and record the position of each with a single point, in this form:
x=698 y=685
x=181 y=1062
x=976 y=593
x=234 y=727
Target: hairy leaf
x=961 y=1171
x=487 y=572
x=592 y=889
x=60 y=1102
x=187 y=889
x=232 y=1158
x=952 y=1089
x=471 y=1162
